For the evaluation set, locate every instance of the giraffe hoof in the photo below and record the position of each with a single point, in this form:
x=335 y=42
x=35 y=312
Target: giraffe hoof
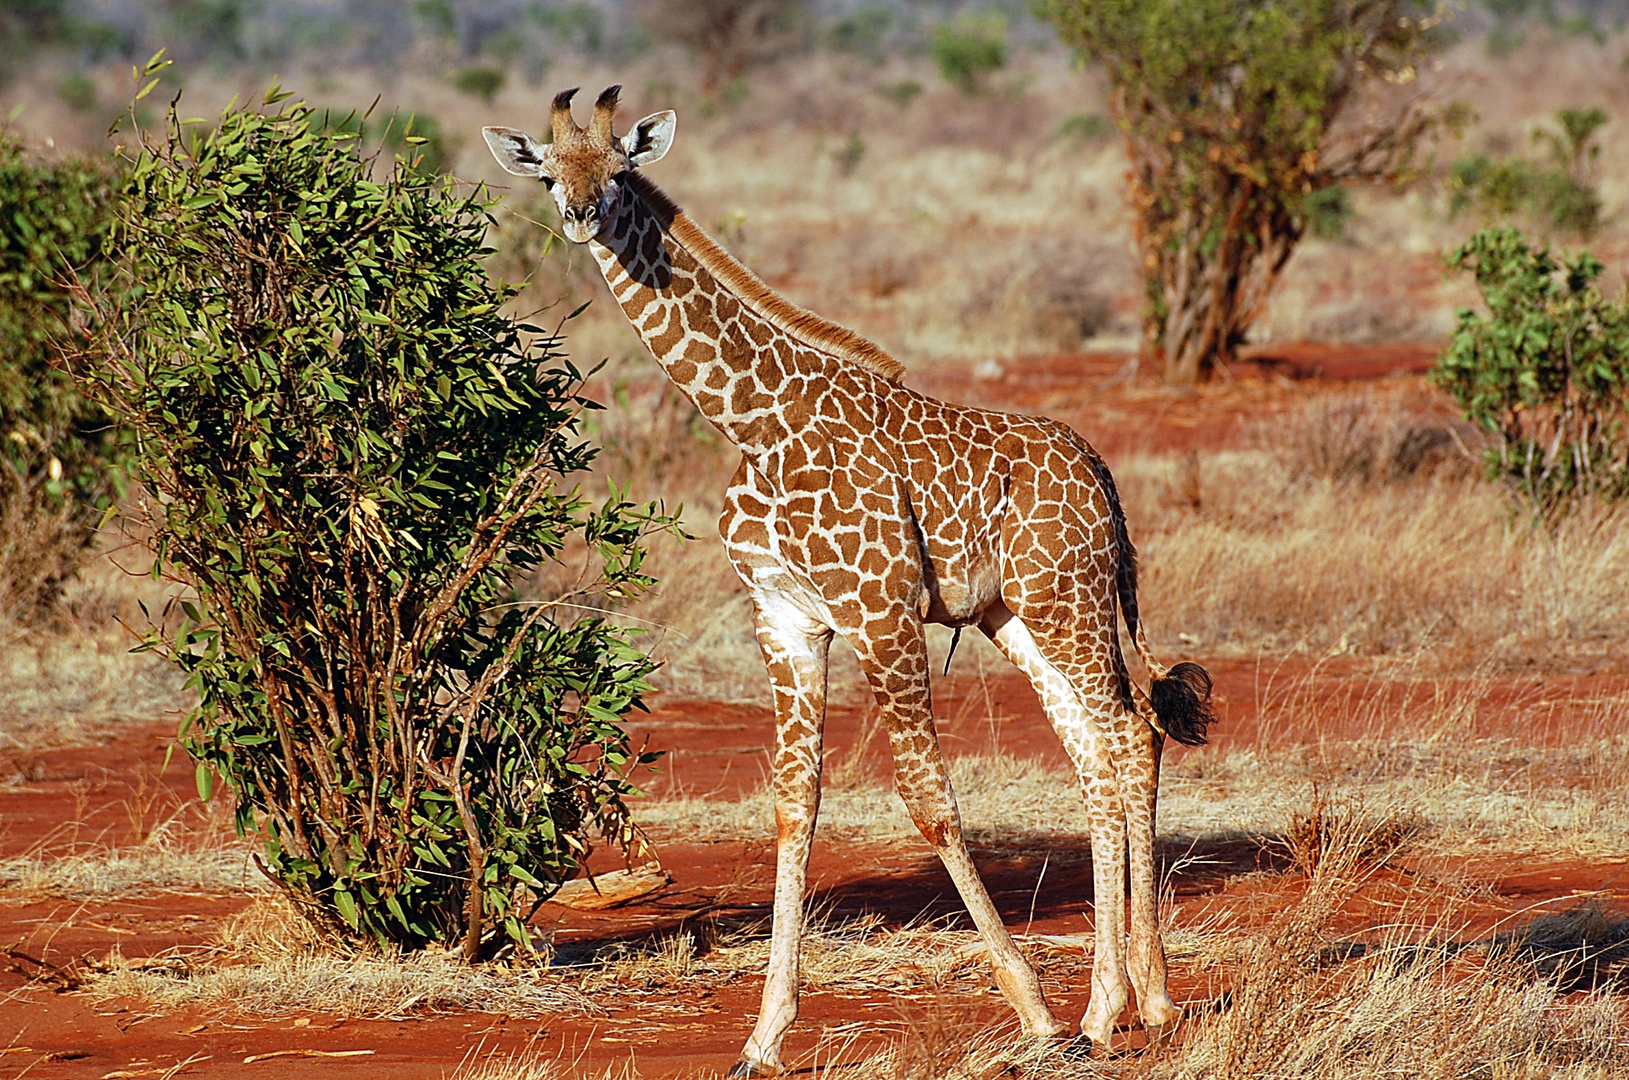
x=745 y=1068
x=1079 y=1048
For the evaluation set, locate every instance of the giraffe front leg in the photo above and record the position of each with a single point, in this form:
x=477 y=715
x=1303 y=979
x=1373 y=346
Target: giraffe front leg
x=895 y=664
x=795 y=650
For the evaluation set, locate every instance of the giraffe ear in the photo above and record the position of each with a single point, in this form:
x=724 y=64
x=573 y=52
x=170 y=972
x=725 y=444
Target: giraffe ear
x=515 y=150
x=650 y=139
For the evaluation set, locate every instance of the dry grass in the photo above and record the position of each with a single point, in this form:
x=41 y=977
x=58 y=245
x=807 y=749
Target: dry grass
x=1303 y=1001
x=267 y=961
x=1410 y=745
x=534 y=1065
x=126 y=873
x=856 y=956
x=1435 y=567
x=73 y=679
x=1293 y=995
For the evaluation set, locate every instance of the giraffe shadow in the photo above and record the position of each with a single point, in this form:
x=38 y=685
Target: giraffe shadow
x=1034 y=876
x=1031 y=877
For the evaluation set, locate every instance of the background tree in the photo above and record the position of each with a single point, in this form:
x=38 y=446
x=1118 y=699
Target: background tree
x=351 y=455
x=1231 y=113
x=728 y=36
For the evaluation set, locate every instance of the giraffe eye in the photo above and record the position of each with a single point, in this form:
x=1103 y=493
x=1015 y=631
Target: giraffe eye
x=548 y=182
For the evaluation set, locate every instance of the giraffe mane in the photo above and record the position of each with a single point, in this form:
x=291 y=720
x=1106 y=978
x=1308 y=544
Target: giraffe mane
x=811 y=329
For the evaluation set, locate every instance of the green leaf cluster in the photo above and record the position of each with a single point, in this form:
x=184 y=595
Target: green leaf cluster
x=352 y=455
x=1545 y=371
x=58 y=451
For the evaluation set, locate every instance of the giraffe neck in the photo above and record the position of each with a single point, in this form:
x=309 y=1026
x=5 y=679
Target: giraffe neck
x=743 y=354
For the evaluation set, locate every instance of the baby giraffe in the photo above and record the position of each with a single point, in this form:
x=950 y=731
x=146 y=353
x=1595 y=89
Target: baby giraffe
x=865 y=509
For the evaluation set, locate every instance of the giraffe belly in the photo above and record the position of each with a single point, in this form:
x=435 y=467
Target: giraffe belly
x=959 y=590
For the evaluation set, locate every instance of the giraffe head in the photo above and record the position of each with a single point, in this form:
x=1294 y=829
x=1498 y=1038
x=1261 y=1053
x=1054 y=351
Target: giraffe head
x=583 y=167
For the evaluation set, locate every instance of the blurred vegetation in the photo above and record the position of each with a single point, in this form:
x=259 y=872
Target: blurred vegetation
x=59 y=453
x=1545 y=371
x=863 y=31
x=1229 y=112
x=1327 y=211
x=1087 y=127
x=1559 y=192
x=727 y=37
x=482 y=82
x=351 y=455
x=1510 y=20
x=970 y=48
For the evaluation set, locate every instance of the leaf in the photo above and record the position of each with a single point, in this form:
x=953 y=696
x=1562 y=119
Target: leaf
x=345 y=904
x=206 y=781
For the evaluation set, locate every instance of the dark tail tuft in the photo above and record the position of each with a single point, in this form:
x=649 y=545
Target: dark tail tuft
x=1182 y=703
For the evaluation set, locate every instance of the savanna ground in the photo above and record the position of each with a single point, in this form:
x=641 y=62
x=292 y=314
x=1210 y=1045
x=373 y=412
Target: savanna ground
x=1405 y=850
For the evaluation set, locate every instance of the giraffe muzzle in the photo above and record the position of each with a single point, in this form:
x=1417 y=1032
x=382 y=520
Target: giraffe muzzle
x=581 y=222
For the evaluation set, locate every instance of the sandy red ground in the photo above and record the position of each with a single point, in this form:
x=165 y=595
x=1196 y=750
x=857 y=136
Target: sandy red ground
x=58 y=800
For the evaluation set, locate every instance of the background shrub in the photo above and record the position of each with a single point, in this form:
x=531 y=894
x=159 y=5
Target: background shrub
x=57 y=450
x=350 y=453
x=969 y=48
x=1546 y=371
x=1559 y=192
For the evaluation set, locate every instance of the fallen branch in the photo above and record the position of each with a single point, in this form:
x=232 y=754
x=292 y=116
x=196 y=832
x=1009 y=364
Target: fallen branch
x=608 y=890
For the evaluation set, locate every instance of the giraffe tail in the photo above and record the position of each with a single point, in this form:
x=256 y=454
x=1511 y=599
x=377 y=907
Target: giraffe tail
x=1180 y=695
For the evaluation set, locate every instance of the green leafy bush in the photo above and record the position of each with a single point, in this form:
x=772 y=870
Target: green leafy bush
x=1560 y=192
x=1546 y=372
x=58 y=468
x=351 y=456
x=969 y=48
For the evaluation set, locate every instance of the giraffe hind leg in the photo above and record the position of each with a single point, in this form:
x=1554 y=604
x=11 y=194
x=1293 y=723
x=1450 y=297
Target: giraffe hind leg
x=1105 y=742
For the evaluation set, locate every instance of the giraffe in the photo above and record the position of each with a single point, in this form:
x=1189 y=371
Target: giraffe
x=863 y=508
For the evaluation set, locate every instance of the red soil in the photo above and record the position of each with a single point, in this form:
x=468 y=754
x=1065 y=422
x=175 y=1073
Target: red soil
x=59 y=801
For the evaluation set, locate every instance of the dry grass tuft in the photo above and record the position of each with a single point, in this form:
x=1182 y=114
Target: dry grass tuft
x=533 y=1065
x=855 y=956
x=268 y=962
x=1327 y=830
x=1400 y=1008
x=1303 y=1003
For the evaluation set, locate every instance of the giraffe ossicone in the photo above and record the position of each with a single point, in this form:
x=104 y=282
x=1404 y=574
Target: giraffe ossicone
x=865 y=509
